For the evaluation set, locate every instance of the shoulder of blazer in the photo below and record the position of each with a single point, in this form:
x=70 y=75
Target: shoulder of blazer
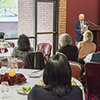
x=77 y=23
x=86 y=22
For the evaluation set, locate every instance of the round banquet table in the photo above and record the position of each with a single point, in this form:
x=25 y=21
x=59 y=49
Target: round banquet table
x=14 y=95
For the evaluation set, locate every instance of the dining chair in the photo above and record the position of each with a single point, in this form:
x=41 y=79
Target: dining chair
x=45 y=48
x=20 y=62
x=3 y=62
x=92 y=73
x=11 y=44
x=34 y=61
x=76 y=69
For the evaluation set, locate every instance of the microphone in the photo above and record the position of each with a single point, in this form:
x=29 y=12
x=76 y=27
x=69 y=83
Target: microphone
x=92 y=23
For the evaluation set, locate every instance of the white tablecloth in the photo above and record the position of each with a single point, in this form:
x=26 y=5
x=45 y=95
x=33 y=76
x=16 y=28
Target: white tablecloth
x=12 y=93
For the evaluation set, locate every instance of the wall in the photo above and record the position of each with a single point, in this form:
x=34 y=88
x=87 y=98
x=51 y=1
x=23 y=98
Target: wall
x=25 y=17
x=62 y=18
x=90 y=8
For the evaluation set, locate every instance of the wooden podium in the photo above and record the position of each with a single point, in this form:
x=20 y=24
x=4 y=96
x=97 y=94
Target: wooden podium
x=94 y=28
x=96 y=34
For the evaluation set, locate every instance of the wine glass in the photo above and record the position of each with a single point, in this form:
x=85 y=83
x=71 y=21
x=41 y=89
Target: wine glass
x=4 y=88
x=2 y=49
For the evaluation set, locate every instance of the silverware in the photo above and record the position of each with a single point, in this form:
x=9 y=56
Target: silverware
x=36 y=71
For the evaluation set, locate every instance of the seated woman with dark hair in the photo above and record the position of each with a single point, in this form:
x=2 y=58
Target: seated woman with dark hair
x=66 y=48
x=23 y=47
x=57 y=79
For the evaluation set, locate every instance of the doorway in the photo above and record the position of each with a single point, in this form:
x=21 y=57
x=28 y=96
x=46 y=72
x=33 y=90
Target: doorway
x=46 y=23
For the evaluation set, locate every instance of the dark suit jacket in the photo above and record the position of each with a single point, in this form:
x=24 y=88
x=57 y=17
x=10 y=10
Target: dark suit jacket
x=39 y=93
x=96 y=57
x=70 y=51
x=77 y=29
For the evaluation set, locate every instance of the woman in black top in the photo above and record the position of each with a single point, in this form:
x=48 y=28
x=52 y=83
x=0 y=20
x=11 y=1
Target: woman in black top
x=57 y=79
x=66 y=48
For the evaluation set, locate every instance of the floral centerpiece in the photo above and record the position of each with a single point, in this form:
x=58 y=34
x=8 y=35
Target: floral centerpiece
x=17 y=79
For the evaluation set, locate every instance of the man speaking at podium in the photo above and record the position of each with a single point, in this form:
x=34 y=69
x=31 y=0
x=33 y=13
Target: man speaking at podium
x=80 y=27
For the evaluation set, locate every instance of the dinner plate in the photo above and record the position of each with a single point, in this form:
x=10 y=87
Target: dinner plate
x=35 y=75
x=77 y=82
x=41 y=83
x=21 y=92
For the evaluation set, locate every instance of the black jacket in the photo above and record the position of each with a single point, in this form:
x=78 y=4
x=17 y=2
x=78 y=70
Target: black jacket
x=39 y=93
x=70 y=51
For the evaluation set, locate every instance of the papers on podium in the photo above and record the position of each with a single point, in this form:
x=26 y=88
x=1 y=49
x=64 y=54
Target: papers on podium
x=85 y=29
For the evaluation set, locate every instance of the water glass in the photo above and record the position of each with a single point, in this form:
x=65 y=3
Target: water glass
x=12 y=64
x=4 y=88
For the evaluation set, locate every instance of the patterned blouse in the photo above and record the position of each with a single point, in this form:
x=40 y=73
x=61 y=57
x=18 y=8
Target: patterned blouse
x=21 y=54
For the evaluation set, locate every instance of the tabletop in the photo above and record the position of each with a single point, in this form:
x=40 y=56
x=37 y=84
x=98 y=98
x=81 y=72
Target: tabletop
x=31 y=81
x=12 y=93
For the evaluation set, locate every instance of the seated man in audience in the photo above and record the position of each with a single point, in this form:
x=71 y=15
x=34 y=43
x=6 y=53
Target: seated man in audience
x=57 y=79
x=66 y=48
x=96 y=57
x=93 y=57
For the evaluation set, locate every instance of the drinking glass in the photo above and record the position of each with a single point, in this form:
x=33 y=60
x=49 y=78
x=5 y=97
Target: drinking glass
x=10 y=49
x=12 y=64
x=4 y=88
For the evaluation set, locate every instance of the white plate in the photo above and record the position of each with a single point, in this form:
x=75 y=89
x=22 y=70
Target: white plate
x=77 y=82
x=34 y=75
x=21 y=92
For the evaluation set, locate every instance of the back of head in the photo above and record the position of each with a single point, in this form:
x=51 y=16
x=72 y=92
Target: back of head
x=23 y=43
x=65 y=39
x=57 y=75
x=81 y=14
x=88 y=36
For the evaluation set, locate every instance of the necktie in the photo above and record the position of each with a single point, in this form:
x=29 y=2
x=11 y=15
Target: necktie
x=81 y=25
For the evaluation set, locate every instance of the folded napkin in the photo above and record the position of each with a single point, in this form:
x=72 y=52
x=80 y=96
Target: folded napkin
x=6 y=50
